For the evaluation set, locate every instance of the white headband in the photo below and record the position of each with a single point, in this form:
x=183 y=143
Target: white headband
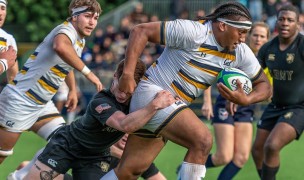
x=3 y=2
x=236 y=24
x=79 y=10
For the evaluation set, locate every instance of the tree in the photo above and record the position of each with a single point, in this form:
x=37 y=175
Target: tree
x=31 y=20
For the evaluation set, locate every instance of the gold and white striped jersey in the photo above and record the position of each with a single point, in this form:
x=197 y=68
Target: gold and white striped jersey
x=7 y=40
x=192 y=59
x=44 y=71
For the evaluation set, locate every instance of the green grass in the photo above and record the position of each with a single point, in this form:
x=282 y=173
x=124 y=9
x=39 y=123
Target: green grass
x=167 y=161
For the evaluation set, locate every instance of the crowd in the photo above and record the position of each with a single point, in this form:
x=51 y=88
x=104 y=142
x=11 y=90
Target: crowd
x=164 y=48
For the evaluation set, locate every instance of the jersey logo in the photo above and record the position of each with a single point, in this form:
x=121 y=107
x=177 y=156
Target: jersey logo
x=271 y=57
x=290 y=58
x=223 y=114
x=288 y=115
x=52 y=162
x=104 y=166
x=10 y=123
x=227 y=62
x=102 y=107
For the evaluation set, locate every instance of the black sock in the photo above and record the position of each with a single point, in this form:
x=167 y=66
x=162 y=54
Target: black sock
x=209 y=162
x=229 y=171
x=269 y=173
x=259 y=172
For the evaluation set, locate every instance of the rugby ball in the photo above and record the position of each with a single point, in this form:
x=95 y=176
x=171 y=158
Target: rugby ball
x=228 y=77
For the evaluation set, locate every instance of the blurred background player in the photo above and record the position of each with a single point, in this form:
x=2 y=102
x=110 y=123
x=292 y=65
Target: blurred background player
x=29 y=95
x=233 y=133
x=282 y=120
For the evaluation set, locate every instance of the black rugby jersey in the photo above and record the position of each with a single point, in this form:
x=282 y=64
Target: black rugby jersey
x=91 y=130
x=287 y=69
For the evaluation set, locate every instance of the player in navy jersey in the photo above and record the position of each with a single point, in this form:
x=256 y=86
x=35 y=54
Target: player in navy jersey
x=84 y=145
x=282 y=121
x=8 y=47
x=195 y=52
x=233 y=133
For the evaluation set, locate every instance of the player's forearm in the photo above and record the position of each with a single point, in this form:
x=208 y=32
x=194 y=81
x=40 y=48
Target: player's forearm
x=12 y=72
x=140 y=35
x=63 y=47
x=70 y=81
x=139 y=118
x=262 y=90
x=207 y=95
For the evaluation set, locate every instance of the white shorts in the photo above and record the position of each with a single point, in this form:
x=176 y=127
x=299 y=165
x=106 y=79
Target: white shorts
x=144 y=94
x=18 y=113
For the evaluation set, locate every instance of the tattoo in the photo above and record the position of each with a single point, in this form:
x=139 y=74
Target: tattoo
x=45 y=175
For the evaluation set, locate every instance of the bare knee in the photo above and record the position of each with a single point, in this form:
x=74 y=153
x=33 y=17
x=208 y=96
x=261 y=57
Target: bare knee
x=222 y=158
x=257 y=150
x=202 y=145
x=240 y=159
x=130 y=172
x=271 y=147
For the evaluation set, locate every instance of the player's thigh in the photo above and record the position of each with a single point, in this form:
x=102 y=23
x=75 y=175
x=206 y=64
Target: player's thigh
x=8 y=139
x=282 y=134
x=187 y=130
x=40 y=171
x=140 y=152
x=224 y=138
x=243 y=135
x=260 y=139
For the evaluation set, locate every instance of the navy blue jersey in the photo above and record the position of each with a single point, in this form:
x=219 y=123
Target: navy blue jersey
x=287 y=69
x=91 y=130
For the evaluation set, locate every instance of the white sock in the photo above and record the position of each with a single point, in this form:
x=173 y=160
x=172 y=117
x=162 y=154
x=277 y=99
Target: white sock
x=110 y=176
x=21 y=173
x=190 y=171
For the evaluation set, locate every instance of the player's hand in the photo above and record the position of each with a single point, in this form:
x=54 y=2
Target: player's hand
x=207 y=110
x=72 y=101
x=127 y=84
x=231 y=107
x=164 y=99
x=95 y=80
x=238 y=96
x=10 y=55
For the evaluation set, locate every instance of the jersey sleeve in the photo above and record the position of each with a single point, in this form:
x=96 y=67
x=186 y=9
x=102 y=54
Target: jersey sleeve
x=12 y=42
x=261 y=56
x=184 y=34
x=248 y=62
x=68 y=31
x=102 y=109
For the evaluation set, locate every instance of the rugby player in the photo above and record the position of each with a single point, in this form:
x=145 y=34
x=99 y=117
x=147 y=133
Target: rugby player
x=195 y=52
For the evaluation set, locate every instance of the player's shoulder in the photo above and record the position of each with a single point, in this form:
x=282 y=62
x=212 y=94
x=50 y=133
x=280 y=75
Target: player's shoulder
x=6 y=34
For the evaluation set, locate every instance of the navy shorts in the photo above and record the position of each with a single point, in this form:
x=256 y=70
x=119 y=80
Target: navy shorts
x=64 y=152
x=292 y=115
x=221 y=115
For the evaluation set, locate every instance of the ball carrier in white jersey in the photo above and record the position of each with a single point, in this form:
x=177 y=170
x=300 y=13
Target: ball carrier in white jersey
x=28 y=98
x=8 y=47
x=195 y=52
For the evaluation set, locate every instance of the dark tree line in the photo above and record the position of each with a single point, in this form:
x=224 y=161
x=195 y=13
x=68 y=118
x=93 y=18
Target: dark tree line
x=31 y=20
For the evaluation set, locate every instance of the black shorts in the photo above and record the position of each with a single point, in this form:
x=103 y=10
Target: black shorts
x=293 y=115
x=221 y=115
x=64 y=152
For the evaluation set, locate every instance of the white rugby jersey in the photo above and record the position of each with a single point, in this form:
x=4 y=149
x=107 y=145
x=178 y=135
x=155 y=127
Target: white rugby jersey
x=192 y=59
x=44 y=71
x=7 y=40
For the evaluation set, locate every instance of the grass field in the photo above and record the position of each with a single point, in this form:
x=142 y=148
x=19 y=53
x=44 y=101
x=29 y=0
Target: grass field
x=291 y=168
